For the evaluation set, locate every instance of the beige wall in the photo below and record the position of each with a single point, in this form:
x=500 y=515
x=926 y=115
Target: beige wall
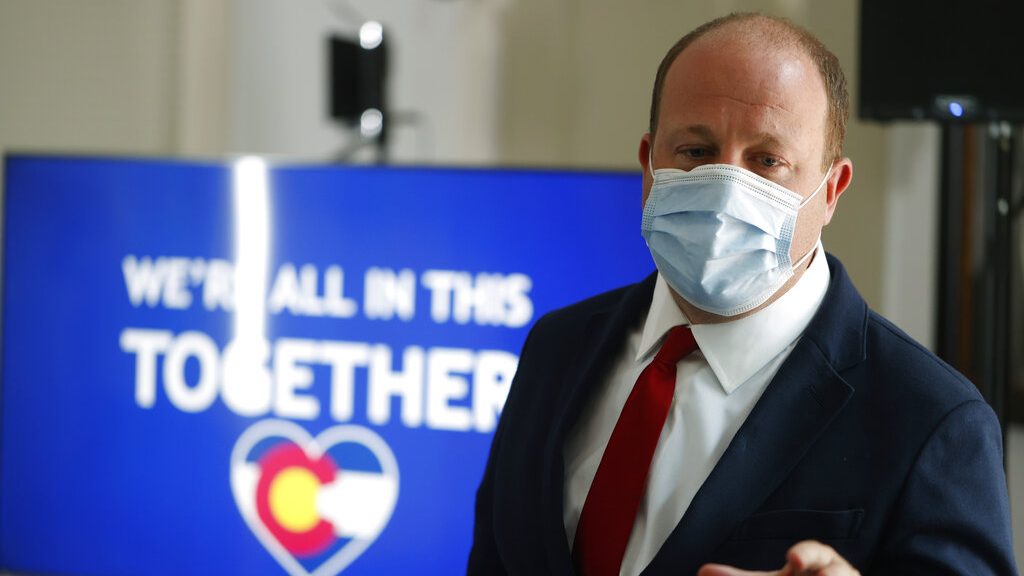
x=576 y=84
x=442 y=65
x=93 y=76
x=113 y=76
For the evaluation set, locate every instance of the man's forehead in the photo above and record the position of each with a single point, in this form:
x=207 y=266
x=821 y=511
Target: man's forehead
x=756 y=43
x=778 y=76
x=755 y=50
x=726 y=89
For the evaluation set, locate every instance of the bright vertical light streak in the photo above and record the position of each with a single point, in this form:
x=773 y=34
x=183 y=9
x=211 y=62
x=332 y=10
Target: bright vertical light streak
x=252 y=247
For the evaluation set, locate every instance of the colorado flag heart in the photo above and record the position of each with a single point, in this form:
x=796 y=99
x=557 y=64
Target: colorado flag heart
x=315 y=504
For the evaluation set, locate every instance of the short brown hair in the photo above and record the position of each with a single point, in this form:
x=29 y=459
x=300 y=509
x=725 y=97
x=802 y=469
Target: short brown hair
x=827 y=63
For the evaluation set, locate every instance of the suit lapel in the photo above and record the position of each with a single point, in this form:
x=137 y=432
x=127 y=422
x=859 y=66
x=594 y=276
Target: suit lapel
x=602 y=339
x=796 y=407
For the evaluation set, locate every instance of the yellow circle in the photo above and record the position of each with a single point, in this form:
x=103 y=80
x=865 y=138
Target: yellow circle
x=293 y=499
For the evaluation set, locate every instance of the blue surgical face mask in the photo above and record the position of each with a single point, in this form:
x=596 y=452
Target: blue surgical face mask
x=721 y=235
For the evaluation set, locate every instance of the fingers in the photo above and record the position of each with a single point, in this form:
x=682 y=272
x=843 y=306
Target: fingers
x=810 y=555
x=837 y=570
x=808 y=558
x=816 y=559
x=720 y=570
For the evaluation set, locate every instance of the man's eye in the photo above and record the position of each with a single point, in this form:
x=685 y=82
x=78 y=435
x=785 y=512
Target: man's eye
x=695 y=153
x=770 y=161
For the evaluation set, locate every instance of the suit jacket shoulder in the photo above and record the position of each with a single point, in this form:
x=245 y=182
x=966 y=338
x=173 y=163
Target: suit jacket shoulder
x=891 y=347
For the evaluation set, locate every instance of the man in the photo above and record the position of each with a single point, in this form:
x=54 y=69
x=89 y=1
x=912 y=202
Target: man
x=742 y=409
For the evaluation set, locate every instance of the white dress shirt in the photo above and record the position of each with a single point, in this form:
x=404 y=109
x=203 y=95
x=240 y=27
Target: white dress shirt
x=716 y=388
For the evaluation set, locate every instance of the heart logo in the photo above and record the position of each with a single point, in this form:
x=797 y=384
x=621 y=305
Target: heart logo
x=316 y=504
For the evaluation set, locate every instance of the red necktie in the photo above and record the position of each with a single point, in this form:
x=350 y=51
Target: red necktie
x=610 y=508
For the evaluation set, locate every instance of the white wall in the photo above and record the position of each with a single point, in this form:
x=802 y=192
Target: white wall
x=205 y=33
x=910 y=258
x=444 y=70
x=93 y=76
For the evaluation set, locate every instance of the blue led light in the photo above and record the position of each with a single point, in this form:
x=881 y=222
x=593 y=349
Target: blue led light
x=956 y=109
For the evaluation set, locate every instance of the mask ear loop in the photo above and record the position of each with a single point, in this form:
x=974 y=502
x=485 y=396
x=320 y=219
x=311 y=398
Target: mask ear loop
x=650 y=161
x=803 y=259
x=818 y=189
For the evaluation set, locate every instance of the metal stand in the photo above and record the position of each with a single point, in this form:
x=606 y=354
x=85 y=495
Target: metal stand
x=1001 y=252
x=951 y=246
x=975 y=260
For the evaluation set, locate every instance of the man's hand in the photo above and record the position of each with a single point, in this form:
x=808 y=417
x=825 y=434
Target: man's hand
x=808 y=558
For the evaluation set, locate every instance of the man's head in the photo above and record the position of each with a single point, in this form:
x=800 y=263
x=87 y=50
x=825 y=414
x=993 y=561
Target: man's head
x=774 y=33
x=762 y=94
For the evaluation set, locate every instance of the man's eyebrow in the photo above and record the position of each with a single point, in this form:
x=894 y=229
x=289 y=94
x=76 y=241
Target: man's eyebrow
x=761 y=139
x=768 y=140
x=702 y=130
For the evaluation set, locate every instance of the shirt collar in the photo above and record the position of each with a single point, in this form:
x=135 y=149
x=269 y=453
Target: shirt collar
x=738 y=349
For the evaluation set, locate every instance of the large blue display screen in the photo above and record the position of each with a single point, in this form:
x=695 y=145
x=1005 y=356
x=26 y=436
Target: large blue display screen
x=230 y=368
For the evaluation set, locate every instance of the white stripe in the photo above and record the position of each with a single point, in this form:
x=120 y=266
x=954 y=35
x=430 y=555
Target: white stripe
x=245 y=478
x=358 y=504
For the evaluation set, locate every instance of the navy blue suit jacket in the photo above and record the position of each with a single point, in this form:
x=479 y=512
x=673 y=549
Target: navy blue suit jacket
x=864 y=440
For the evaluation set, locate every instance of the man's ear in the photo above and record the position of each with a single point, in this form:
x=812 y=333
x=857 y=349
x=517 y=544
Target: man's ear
x=644 y=155
x=838 y=182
